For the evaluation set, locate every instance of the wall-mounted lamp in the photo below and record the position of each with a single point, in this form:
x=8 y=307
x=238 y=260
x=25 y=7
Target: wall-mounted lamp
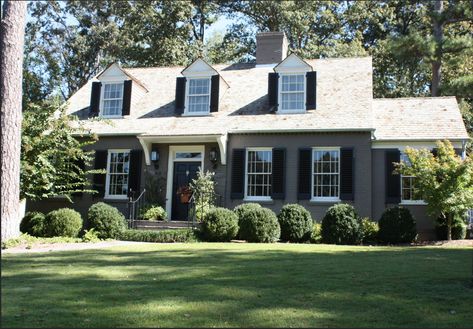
x=154 y=157
x=213 y=156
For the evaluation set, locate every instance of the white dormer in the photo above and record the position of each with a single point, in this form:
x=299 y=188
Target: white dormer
x=293 y=84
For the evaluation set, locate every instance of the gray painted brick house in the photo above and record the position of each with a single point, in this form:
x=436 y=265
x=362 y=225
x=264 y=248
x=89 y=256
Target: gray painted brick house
x=281 y=130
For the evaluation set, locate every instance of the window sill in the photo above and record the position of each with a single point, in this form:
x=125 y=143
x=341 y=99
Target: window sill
x=413 y=203
x=112 y=116
x=291 y=112
x=116 y=197
x=201 y=114
x=259 y=200
x=324 y=201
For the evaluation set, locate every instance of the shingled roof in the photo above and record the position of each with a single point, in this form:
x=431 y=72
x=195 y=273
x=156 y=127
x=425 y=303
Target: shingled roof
x=344 y=103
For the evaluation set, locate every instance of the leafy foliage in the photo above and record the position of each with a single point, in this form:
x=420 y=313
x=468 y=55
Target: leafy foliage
x=155 y=213
x=458 y=228
x=370 y=231
x=34 y=223
x=316 y=234
x=296 y=223
x=397 y=226
x=341 y=225
x=64 y=222
x=220 y=224
x=163 y=236
x=258 y=224
x=203 y=189
x=445 y=181
x=107 y=221
x=29 y=241
x=243 y=213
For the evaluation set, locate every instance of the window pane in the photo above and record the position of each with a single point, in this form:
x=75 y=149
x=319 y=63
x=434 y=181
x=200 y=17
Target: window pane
x=326 y=173
x=259 y=167
x=118 y=173
x=188 y=155
x=199 y=86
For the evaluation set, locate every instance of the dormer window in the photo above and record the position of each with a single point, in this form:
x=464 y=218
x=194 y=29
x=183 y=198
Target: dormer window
x=198 y=96
x=112 y=99
x=292 y=96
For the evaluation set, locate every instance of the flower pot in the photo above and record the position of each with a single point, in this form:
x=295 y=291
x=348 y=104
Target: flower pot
x=185 y=197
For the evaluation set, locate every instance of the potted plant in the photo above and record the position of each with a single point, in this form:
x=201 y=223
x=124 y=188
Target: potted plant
x=185 y=193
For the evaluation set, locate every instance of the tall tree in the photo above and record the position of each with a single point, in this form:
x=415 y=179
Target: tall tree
x=11 y=61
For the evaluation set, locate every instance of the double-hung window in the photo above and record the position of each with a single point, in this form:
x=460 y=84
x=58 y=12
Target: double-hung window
x=326 y=174
x=117 y=173
x=258 y=173
x=112 y=99
x=409 y=193
x=198 y=99
x=292 y=96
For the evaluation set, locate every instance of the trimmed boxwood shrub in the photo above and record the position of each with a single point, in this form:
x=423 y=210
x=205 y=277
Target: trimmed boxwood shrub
x=107 y=221
x=219 y=224
x=370 y=231
x=296 y=223
x=397 y=226
x=64 y=222
x=242 y=212
x=163 y=236
x=458 y=228
x=258 y=224
x=341 y=225
x=34 y=223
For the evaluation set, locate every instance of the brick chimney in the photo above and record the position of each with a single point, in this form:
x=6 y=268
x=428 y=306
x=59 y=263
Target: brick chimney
x=271 y=47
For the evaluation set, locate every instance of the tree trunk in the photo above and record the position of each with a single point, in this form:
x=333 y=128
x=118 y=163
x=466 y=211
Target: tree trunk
x=449 y=227
x=437 y=25
x=11 y=66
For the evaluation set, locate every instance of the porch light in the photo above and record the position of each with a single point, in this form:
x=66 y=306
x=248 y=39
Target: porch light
x=213 y=155
x=154 y=155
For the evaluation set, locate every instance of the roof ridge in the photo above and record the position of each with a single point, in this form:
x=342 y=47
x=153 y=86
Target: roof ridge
x=412 y=97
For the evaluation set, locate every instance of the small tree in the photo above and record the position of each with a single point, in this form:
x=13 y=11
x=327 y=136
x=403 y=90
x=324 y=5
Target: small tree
x=444 y=181
x=203 y=188
x=53 y=159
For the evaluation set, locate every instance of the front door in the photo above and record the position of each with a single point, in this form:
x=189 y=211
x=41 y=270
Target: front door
x=184 y=173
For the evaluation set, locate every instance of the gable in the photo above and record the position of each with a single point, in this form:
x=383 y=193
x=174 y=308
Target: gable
x=199 y=68
x=293 y=63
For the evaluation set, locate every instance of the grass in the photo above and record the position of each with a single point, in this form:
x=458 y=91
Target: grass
x=243 y=285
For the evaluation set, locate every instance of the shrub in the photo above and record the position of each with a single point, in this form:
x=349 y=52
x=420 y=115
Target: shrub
x=220 y=224
x=155 y=213
x=397 y=226
x=296 y=223
x=106 y=220
x=316 y=234
x=341 y=225
x=63 y=222
x=34 y=223
x=242 y=211
x=200 y=211
x=258 y=224
x=90 y=236
x=28 y=241
x=370 y=231
x=163 y=236
x=458 y=228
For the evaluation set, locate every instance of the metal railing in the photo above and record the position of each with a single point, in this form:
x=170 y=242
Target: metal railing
x=216 y=200
x=134 y=206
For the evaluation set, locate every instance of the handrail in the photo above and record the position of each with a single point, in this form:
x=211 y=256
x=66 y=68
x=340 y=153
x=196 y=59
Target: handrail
x=132 y=207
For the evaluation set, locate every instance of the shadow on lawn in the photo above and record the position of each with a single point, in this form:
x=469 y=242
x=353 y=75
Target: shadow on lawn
x=230 y=287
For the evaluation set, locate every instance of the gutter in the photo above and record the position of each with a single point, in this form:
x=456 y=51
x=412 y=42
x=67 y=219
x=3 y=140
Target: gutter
x=267 y=131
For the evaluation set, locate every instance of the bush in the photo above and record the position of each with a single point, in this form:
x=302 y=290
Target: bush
x=155 y=213
x=397 y=226
x=28 y=241
x=341 y=225
x=370 y=231
x=90 y=236
x=258 y=224
x=34 y=223
x=63 y=222
x=163 y=236
x=296 y=223
x=220 y=224
x=243 y=212
x=316 y=234
x=458 y=228
x=107 y=221
x=200 y=211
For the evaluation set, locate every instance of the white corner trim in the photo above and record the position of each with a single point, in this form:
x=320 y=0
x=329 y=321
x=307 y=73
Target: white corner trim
x=146 y=145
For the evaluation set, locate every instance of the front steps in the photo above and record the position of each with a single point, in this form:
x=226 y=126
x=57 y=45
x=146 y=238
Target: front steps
x=161 y=225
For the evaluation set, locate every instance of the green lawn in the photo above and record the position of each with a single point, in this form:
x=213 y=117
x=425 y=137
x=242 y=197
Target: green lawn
x=249 y=285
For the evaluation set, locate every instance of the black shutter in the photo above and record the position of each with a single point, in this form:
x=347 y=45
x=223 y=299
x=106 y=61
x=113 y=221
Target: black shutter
x=238 y=173
x=393 y=181
x=94 y=108
x=278 y=177
x=304 y=175
x=347 y=174
x=99 y=179
x=435 y=151
x=180 y=95
x=311 y=87
x=134 y=175
x=273 y=81
x=458 y=152
x=215 y=85
x=126 y=97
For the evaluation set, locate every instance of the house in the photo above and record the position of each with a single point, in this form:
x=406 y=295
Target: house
x=281 y=130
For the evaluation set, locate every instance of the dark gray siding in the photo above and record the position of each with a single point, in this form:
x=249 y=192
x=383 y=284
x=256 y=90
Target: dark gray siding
x=361 y=142
x=425 y=224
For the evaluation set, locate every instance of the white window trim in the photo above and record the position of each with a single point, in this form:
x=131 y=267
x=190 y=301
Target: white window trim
x=256 y=198
x=186 y=100
x=102 y=99
x=107 y=178
x=298 y=111
x=408 y=202
x=324 y=199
